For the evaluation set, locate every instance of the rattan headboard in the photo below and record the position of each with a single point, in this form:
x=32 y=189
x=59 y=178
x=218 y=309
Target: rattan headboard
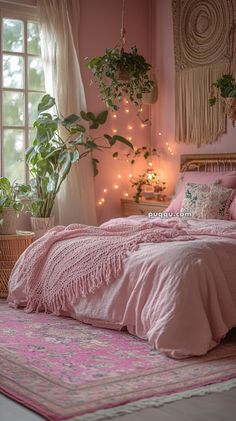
x=208 y=163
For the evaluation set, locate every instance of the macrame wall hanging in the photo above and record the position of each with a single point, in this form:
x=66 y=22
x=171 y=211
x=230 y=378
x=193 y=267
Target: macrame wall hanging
x=203 y=41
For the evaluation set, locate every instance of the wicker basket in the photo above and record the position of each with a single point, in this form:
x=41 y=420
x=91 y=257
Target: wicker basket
x=11 y=247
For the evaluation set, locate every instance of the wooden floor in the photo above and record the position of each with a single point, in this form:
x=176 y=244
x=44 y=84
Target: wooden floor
x=212 y=407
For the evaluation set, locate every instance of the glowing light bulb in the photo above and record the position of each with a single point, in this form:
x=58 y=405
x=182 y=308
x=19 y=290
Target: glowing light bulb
x=126 y=194
x=143 y=125
x=116 y=186
x=130 y=175
x=104 y=190
x=127 y=110
x=114 y=115
x=129 y=138
x=102 y=200
x=150 y=164
x=126 y=101
x=114 y=130
x=130 y=127
x=159 y=134
x=119 y=176
x=167 y=143
x=141 y=109
x=99 y=203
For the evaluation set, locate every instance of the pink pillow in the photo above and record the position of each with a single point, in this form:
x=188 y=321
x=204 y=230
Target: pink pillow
x=228 y=179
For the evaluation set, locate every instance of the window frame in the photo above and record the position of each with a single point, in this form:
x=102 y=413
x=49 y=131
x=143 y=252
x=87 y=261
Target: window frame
x=26 y=14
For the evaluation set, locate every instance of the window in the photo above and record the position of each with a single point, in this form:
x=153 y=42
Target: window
x=21 y=87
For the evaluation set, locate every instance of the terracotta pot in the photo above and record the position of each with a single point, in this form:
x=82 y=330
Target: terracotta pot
x=8 y=227
x=41 y=225
x=122 y=74
x=231 y=108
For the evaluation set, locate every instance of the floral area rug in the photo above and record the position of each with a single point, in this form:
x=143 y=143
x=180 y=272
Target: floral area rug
x=66 y=370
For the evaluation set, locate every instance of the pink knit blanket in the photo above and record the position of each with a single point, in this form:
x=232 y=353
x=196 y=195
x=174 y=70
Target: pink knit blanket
x=74 y=261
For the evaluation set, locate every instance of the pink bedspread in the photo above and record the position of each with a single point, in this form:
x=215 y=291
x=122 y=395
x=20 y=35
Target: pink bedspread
x=180 y=295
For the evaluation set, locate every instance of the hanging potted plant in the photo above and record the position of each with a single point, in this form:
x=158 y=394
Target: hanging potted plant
x=121 y=74
x=224 y=89
x=50 y=157
x=10 y=204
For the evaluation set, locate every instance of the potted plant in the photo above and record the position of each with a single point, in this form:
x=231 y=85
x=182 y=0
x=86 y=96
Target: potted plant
x=121 y=74
x=154 y=189
x=10 y=204
x=225 y=89
x=50 y=157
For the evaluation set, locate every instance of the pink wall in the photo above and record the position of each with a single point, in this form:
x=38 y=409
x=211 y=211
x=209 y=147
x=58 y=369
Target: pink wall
x=163 y=110
x=100 y=23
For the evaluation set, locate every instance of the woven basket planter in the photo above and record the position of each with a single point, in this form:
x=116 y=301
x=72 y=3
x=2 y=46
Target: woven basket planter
x=11 y=247
x=231 y=108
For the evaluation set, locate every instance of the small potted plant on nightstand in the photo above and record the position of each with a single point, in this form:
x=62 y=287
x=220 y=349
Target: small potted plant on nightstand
x=147 y=185
x=10 y=204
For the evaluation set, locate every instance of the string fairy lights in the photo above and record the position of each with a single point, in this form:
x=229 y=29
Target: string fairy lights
x=116 y=185
x=167 y=144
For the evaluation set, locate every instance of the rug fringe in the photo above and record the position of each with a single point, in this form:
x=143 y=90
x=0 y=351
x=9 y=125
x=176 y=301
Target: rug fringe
x=155 y=402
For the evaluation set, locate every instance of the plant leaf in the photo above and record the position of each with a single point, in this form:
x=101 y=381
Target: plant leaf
x=102 y=117
x=91 y=145
x=84 y=116
x=95 y=163
x=123 y=140
x=46 y=102
x=95 y=125
x=72 y=118
x=91 y=116
x=75 y=157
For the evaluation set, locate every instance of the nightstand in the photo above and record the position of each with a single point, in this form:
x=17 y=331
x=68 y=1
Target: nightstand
x=11 y=247
x=130 y=207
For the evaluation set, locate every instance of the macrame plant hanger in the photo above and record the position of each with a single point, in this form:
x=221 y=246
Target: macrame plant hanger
x=123 y=74
x=121 y=43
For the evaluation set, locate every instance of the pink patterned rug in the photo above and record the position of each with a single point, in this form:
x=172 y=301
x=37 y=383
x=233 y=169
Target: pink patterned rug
x=65 y=370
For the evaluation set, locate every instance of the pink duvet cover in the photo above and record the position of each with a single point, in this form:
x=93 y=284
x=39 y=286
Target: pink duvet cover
x=179 y=295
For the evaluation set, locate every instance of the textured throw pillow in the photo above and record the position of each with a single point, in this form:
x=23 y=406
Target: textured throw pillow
x=208 y=201
x=228 y=179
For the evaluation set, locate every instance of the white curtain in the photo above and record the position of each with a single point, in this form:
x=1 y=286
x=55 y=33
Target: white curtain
x=59 y=21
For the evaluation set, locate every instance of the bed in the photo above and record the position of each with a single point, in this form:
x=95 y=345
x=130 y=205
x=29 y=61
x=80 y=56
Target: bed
x=170 y=281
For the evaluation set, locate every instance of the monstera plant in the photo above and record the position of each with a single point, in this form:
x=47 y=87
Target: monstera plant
x=51 y=156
